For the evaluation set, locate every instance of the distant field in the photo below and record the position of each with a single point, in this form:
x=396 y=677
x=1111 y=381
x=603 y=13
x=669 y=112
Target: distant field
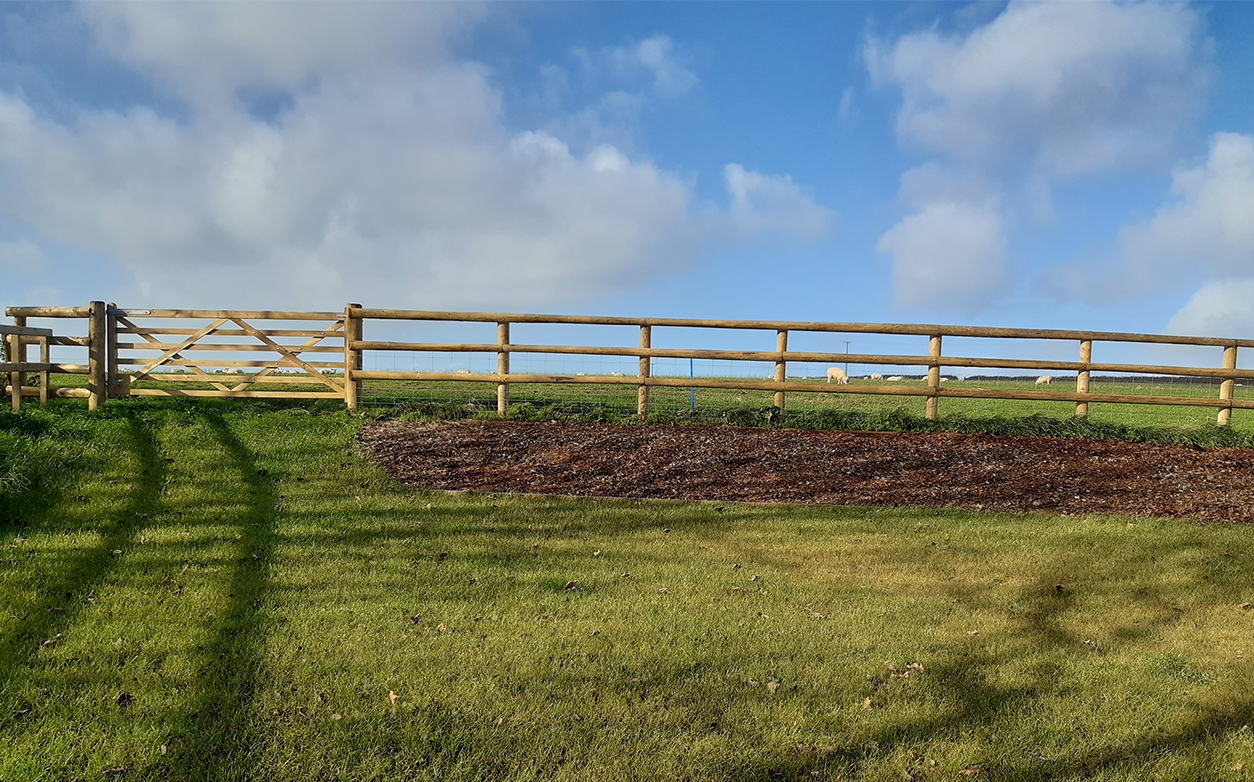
x=717 y=403
x=223 y=590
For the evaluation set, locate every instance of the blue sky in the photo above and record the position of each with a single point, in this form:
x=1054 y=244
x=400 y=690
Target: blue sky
x=1077 y=164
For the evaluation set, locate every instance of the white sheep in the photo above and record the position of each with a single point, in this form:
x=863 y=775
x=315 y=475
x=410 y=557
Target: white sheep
x=462 y=372
x=895 y=379
x=876 y=376
x=837 y=374
x=617 y=374
x=1044 y=380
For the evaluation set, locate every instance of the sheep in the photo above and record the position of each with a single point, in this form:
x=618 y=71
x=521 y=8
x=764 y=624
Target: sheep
x=837 y=374
x=617 y=374
x=1044 y=380
x=580 y=374
x=462 y=372
x=895 y=379
x=876 y=376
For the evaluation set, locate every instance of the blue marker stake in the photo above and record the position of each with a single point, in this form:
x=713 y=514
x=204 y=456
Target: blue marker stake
x=692 y=392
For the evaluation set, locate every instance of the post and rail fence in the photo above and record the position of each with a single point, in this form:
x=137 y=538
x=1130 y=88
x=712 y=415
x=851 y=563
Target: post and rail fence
x=128 y=345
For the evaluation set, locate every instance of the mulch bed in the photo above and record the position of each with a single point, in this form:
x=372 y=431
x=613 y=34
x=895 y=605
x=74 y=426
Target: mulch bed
x=806 y=466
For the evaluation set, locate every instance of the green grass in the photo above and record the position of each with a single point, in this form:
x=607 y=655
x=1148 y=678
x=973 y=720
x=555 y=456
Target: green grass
x=258 y=593
x=582 y=402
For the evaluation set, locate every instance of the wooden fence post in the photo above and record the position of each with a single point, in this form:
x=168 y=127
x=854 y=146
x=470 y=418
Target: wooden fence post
x=502 y=368
x=44 y=358
x=781 y=345
x=1082 y=377
x=642 y=394
x=96 y=358
x=352 y=356
x=112 y=382
x=1226 y=387
x=16 y=355
x=933 y=377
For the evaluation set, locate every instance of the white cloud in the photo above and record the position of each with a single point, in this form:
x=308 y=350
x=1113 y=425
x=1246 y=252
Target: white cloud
x=1075 y=87
x=761 y=202
x=845 y=110
x=950 y=256
x=1218 y=308
x=656 y=56
x=390 y=175
x=207 y=51
x=1036 y=94
x=1206 y=231
x=1210 y=224
x=931 y=183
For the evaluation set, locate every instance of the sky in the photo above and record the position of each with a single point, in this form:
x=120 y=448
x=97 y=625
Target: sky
x=1078 y=165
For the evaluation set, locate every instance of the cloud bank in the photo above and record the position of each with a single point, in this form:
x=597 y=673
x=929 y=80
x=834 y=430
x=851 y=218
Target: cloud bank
x=1040 y=93
x=328 y=152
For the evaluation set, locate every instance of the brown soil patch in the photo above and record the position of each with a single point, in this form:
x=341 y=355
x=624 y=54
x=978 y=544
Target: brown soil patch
x=803 y=466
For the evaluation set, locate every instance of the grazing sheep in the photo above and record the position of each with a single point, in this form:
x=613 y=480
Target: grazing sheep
x=1044 y=380
x=462 y=372
x=837 y=374
x=617 y=374
x=876 y=376
x=944 y=380
x=580 y=374
x=895 y=379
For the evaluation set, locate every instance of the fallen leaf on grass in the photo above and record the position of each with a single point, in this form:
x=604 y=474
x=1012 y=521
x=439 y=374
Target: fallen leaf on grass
x=571 y=586
x=866 y=703
x=814 y=748
x=772 y=687
x=663 y=591
x=124 y=699
x=440 y=627
x=752 y=682
x=1244 y=606
x=970 y=772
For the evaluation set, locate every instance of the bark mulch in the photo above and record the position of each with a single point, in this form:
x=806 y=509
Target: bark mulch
x=805 y=466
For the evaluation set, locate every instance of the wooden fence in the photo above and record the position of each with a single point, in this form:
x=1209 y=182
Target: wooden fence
x=121 y=350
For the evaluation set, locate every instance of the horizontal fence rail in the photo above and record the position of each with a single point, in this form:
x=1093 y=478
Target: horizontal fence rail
x=319 y=355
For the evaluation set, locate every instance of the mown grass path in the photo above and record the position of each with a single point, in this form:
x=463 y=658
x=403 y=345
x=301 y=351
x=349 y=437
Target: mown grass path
x=226 y=592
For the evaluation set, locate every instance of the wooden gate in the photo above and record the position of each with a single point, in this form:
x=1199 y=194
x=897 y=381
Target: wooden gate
x=155 y=345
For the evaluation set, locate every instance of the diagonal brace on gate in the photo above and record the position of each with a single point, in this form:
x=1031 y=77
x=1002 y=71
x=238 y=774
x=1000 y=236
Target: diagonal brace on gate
x=288 y=354
x=172 y=353
x=178 y=355
x=330 y=331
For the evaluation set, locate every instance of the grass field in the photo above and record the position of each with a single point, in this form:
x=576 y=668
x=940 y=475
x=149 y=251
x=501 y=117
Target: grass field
x=755 y=408
x=224 y=591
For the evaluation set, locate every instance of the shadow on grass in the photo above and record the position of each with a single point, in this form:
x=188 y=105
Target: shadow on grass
x=219 y=738
x=65 y=594
x=964 y=680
